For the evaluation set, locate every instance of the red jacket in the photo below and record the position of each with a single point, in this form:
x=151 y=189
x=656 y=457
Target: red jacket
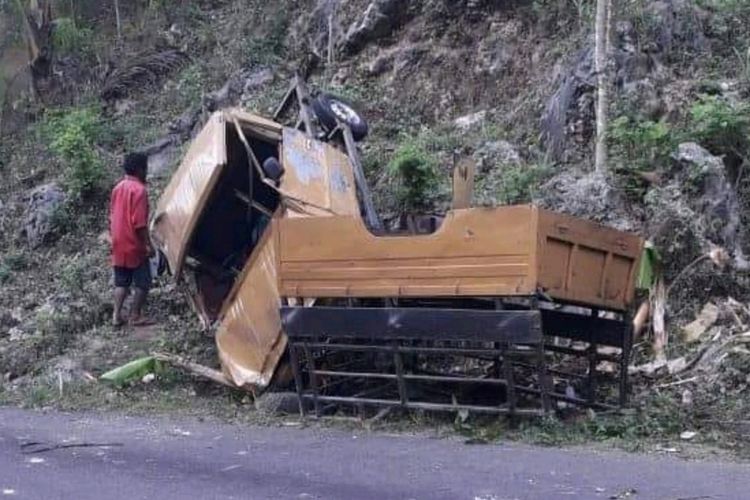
x=128 y=212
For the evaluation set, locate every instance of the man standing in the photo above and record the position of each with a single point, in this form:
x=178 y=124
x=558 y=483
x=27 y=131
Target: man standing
x=131 y=246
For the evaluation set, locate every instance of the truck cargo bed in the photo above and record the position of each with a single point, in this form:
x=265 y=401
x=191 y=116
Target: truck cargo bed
x=493 y=252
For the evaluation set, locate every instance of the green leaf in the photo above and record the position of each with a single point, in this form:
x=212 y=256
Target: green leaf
x=647 y=272
x=133 y=370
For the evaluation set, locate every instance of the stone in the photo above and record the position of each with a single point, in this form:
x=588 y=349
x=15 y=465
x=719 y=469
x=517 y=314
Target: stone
x=380 y=18
x=716 y=202
x=492 y=154
x=257 y=79
x=42 y=204
x=379 y=65
x=592 y=196
x=468 y=121
x=562 y=107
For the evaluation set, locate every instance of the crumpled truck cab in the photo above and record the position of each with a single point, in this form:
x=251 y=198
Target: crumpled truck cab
x=214 y=225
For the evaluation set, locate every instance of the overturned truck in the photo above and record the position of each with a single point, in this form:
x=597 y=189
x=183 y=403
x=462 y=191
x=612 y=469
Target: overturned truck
x=505 y=310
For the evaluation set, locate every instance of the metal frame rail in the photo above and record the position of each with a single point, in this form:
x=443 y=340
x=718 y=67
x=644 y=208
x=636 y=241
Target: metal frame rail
x=315 y=331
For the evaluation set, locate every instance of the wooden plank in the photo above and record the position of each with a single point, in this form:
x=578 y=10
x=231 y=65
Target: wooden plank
x=463 y=183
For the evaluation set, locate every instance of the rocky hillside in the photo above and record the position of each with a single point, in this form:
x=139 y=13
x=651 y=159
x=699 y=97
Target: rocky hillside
x=509 y=82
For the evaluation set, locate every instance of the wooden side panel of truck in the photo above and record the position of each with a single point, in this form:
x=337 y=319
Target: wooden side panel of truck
x=492 y=252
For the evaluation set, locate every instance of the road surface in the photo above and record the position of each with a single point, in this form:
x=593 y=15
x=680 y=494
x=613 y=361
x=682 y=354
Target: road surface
x=171 y=459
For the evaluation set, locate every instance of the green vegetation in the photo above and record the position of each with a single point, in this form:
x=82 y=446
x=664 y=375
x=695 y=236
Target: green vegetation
x=518 y=183
x=69 y=38
x=190 y=85
x=720 y=127
x=10 y=264
x=416 y=170
x=72 y=275
x=73 y=135
x=269 y=46
x=5 y=273
x=640 y=146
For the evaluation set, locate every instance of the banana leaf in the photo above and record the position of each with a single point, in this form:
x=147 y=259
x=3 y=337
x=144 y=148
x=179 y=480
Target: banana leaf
x=650 y=261
x=134 y=370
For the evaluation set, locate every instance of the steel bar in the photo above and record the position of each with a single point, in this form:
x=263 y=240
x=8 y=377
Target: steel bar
x=428 y=406
x=371 y=216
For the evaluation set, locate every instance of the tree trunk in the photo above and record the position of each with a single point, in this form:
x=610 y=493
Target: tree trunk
x=603 y=21
x=37 y=21
x=118 y=21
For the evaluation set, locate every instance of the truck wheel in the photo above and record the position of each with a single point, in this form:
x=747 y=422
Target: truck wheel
x=331 y=109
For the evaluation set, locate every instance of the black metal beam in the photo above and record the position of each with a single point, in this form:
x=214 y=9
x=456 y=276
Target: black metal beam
x=518 y=327
x=602 y=331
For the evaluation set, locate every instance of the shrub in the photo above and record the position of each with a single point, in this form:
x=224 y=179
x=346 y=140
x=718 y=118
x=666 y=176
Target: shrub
x=73 y=136
x=638 y=146
x=519 y=182
x=72 y=275
x=69 y=38
x=6 y=273
x=11 y=263
x=720 y=127
x=416 y=169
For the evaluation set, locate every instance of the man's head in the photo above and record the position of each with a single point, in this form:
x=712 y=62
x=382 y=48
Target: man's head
x=136 y=164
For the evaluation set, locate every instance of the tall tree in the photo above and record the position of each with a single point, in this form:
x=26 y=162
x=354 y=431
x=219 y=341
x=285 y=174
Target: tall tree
x=602 y=56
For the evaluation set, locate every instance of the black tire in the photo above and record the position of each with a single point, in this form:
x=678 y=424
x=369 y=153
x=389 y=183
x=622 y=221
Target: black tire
x=331 y=109
x=272 y=169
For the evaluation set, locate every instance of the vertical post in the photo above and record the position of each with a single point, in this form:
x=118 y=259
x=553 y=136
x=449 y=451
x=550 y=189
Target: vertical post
x=627 y=343
x=359 y=176
x=511 y=382
x=403 y=395
x=593 y=357
x=294 y=358
x=303 y=97
x=544 y=389
x=313 y=378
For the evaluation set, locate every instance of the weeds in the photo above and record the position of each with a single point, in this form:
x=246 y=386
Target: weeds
x=416 y=170
x=69 y=38
x=72 y=275
x=720 y=127
x=270 y=46
x=6 y=273
x=10 y=264
x=640 y=146
x=520 y=182
x=40 y=395
x=73 y=138
x=190 y=84
x=513 y=184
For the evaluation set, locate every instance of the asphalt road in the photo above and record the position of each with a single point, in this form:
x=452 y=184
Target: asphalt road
x=184 y=459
